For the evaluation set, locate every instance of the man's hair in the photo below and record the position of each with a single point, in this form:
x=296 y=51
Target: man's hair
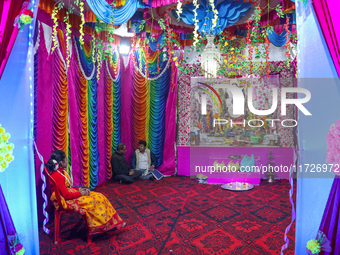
x=142 y=142
x=120 y=146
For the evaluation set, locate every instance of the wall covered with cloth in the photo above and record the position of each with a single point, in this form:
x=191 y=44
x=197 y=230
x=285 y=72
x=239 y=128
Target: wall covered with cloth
x=86 y=109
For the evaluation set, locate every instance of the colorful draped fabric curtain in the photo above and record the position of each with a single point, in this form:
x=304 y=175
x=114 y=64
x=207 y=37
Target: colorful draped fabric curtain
x=329 y=20
x=9 y=9
x=86 y=110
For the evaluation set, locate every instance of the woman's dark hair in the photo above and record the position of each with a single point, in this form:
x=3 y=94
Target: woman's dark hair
x=142 y=142
x=57 y=156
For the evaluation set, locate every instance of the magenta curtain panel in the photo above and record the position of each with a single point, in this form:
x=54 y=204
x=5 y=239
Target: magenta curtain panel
x=9 y=9
x=327 y=12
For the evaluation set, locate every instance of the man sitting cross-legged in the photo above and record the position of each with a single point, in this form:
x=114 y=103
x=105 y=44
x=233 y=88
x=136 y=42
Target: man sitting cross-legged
x=144 y=160
x=121 y=171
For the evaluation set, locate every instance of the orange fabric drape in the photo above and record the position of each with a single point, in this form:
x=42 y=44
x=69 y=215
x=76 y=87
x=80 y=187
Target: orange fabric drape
x=139 y=109
x=60 y=106
x=81 y=92
x=108 y=123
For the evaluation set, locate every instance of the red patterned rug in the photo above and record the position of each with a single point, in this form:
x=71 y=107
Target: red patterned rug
x=176 y=215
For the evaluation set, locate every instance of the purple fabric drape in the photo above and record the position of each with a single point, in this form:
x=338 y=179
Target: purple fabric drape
x=329 y=19
x=330 y=223
x=100 y=123
x=126 y=114
x=6 y=225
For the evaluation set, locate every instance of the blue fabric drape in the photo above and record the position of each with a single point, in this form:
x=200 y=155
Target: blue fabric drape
x=229 y=12
x=153 y=45
x=278 y=40
x=104 y=11
x=274 y=38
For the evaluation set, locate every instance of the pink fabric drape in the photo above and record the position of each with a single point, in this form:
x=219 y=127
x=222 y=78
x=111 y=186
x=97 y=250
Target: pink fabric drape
x=327 y=13
x=9 y=9
x=125 y=115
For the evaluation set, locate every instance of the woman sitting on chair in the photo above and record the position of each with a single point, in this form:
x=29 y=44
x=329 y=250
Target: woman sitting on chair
x=100 y=214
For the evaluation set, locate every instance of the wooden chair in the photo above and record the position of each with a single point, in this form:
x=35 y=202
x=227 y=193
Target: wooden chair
x=58 y=213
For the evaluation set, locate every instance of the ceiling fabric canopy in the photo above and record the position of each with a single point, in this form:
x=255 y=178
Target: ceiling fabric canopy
x=104 y=11
x=229 y=12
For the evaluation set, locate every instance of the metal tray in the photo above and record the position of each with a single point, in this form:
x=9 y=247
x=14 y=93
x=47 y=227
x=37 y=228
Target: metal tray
x=237 y=186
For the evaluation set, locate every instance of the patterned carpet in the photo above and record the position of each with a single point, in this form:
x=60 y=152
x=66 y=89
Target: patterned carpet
x=176 y=215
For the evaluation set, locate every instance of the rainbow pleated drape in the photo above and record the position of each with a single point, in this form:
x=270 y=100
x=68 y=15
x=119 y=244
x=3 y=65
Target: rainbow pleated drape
x=82 y=115
x=149 y=98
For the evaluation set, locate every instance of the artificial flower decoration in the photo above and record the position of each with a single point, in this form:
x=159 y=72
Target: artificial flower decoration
x=333 y=144
x=6 y=149
x=16 y=247
x=25 y=16
x=321 y=243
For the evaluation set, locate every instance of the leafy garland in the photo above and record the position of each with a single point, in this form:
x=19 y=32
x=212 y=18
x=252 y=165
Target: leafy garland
x=54 y=29
x=81 y=37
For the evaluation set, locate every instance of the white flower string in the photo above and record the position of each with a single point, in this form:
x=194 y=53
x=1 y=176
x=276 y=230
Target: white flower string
x=108 y=71
x=154 y=78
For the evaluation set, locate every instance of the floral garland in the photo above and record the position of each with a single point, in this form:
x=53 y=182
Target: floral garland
x=250 y=50
x=287 y=44
x=321 y=243
x=25 y=16
x=179 y=9
x=215 y=12
x=16 y=248
x=6 y=149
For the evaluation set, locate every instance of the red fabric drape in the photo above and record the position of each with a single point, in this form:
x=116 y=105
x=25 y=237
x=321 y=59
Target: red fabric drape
x=329 y=20
x=9 y=9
